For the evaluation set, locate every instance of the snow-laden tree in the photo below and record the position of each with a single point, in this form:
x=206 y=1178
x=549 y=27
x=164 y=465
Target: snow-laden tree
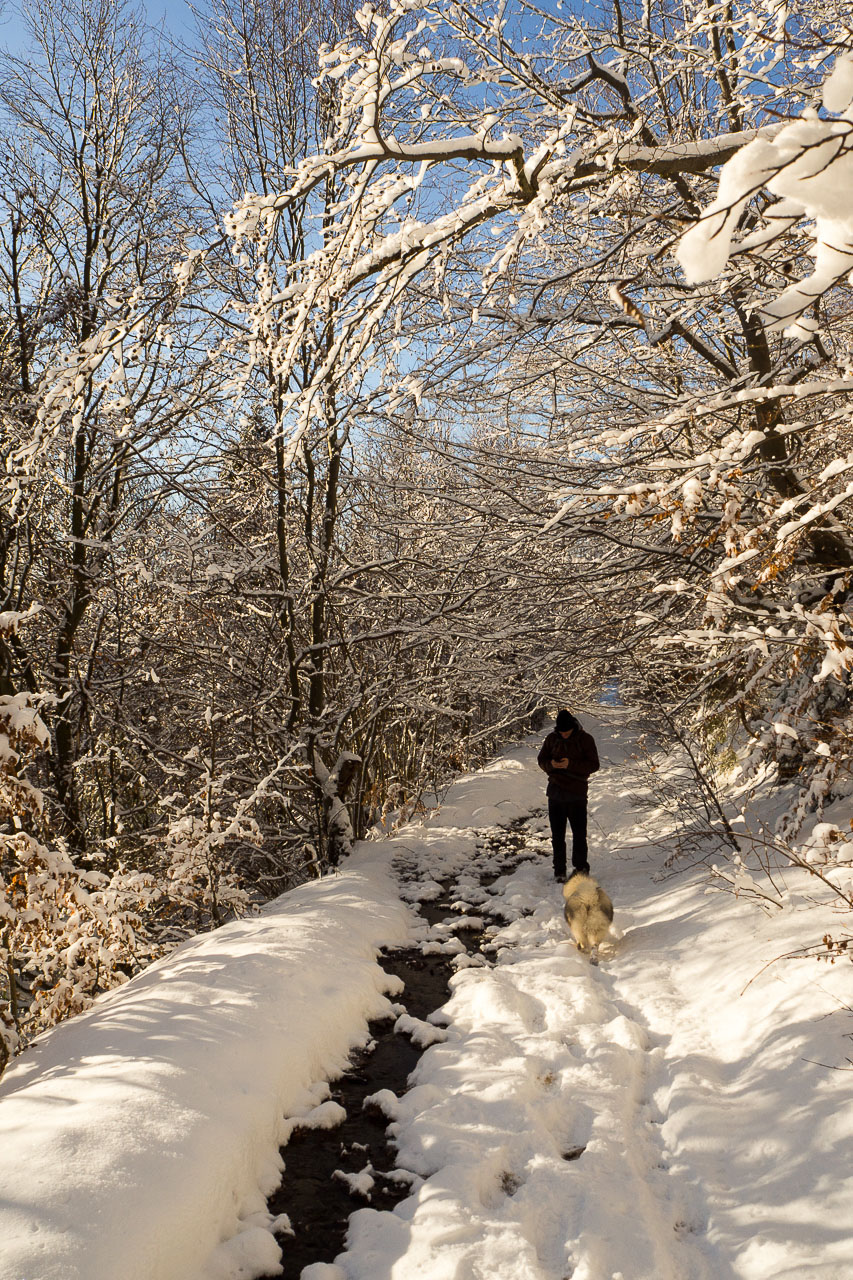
x=100 y=404
x=492 y=386
x=256 y=69
x=513 y=140
x=67 y=933
x=331 y=613
x=434 y=90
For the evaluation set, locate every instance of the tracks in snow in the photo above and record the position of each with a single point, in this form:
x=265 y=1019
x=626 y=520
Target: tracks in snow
x=527 y=1144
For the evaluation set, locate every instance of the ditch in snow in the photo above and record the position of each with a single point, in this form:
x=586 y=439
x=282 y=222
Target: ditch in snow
x=328 y=1172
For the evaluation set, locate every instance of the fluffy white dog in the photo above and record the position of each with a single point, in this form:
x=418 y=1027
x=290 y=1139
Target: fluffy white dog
x=589 y=911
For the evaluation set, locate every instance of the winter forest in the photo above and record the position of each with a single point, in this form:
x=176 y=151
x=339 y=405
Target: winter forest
x=374 y=382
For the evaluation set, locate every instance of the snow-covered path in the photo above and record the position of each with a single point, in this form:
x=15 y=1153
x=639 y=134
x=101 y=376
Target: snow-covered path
x=644 y=1120
x=659 y=1117
x=536 y=1127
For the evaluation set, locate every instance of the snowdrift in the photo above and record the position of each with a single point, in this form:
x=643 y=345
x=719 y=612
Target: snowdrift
x=140 y=1134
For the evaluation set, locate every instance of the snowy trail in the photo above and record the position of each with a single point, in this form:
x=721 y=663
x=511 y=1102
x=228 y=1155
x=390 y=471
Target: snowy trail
x=671 y=1114
x=535 y=1127
x=619 y=1122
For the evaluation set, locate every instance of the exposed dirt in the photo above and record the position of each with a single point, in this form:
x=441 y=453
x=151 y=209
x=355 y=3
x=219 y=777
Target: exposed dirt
x=317 y=1202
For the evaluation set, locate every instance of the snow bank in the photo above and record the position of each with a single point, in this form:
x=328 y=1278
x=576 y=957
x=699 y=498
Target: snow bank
x=504 y=790
x=147 y=1130
x=673 y=1114
x=682 y=1112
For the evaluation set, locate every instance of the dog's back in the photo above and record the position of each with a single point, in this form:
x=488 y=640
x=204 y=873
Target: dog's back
x=589 y=911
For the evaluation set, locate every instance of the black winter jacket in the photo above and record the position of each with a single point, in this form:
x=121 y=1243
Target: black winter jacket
x=582 y=755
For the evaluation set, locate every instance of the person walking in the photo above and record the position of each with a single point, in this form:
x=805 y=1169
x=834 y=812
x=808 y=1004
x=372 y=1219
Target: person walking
x=568 y=756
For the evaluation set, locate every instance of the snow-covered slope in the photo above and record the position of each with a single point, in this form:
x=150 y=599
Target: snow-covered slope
x=138 y=1137
x=672 y=1114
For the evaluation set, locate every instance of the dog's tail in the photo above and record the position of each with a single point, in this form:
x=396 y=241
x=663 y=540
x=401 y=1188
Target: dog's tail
x=605 y=906
x=583 y=890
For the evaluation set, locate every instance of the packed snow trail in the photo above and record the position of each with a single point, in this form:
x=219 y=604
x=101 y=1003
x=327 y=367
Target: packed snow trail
x=656 y=1118
x=670 y=1115
x=533 y=1124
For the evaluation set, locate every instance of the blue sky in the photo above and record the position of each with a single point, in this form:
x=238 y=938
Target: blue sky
x=172 y=13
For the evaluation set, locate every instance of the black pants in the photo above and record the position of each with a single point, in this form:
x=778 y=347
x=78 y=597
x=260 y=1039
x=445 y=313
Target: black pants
x=570 y=809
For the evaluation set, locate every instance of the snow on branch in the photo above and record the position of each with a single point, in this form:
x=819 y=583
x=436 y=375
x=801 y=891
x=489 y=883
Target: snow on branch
x=410 y=115
x=808 y=165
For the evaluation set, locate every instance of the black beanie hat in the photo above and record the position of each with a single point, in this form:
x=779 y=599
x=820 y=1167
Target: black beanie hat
x=565 y=720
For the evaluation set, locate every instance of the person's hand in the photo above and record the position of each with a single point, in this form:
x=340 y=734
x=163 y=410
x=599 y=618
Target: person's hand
x=559 y=764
